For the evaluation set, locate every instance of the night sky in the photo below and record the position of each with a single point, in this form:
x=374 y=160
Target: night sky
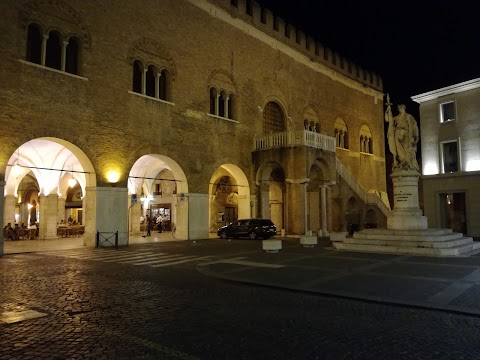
x=416 y=46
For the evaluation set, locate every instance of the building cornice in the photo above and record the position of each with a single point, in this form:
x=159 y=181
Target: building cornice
x=221 y=14
x=452 y=89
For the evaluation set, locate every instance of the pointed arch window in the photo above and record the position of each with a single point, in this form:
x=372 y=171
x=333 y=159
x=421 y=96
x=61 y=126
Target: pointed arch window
x=273 y=118
x=34 y=44
x=72 y=55
x=366 y=141
x=151 y=81
x=52 y=50
x=53 y=57
x=341 y=133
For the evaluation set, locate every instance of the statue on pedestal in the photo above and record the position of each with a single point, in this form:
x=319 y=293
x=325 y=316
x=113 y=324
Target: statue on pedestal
x=403 y=137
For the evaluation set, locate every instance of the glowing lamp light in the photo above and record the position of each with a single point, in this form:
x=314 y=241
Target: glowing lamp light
x=29 y=206
x=473 y=165
x=430 y=168
x=113 y=176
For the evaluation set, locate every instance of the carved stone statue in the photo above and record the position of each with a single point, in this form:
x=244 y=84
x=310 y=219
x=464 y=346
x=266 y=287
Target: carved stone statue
x=403 y=137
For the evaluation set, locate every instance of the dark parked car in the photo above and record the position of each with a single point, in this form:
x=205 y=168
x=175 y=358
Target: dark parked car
x=251 y=228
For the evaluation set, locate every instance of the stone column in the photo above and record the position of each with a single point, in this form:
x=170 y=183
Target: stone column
x=89 y=216
x=296 y=198
x=305 y=209
x=226 y=106
x=135 y=213
x=24 y=213
x=112 y=212
x=48 y=216
x=265 y=201
x=217 y=105
x=158 y=75
x=2 y=212
x=342 y=139
x=61 y=209
x=253 y=206
x=44 y=49
x=323 y=189
x=329 y=210
x=64 y=55
x=196 y=206
x=9 y=210
x=144 y=81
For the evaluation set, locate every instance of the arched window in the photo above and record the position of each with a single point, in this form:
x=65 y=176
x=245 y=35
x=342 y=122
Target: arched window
x=34 y=44
x=341 y=133
x=273 y=118
x=311 y=120
x=164 y=85
x=53 y=57
x=231 y=104
x=222 y=94
x=366 y=142
x=213 y=101
x=317 y=127
x=137 y=76
x=150 y=81
x=221 y=104
x=72 y=56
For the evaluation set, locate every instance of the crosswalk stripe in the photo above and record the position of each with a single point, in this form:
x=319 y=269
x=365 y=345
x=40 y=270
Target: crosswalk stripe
x=146 y=258
x=159 y=259
x=124 y=258
x=170 y=260
x=181 y=261
x=100 y=256
x=113 y=256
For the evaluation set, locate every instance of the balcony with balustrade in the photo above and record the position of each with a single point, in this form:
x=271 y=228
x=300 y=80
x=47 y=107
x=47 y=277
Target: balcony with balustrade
x=295 y=138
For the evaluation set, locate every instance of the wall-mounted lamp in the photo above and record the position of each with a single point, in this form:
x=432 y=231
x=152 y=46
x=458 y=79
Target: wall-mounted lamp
x=113 y=176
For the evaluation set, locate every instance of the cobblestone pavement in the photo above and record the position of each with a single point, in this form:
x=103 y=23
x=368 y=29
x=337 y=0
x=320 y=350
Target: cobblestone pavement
x=82 y=307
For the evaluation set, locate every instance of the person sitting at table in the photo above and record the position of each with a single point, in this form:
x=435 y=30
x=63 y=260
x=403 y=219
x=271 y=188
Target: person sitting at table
x=24 y=226
x=9 y=231
x=70 y=220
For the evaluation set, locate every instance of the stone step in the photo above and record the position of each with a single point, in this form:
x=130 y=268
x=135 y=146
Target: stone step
x=360 y=235
x=453 y=251
x=420 y=243
x=426 y=232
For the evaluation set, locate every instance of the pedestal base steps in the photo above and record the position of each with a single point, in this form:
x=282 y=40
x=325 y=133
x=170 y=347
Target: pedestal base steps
x=429 y=242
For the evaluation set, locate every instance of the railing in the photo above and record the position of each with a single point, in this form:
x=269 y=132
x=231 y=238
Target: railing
x=372 y=198
x=102 y=239
x=294 y=138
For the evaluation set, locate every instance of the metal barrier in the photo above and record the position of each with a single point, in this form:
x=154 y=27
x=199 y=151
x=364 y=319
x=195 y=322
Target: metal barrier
x=102 y=239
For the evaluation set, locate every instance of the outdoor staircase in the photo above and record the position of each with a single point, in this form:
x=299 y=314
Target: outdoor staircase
x=377 y=198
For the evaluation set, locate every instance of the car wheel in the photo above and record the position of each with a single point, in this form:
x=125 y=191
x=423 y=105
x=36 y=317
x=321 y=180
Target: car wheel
x=252 y=235
x=223 y=235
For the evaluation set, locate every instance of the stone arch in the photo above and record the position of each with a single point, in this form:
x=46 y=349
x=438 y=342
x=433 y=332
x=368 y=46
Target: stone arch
x=311 y=118
x=222 y=80
x=229 y=194
x=49 y=163
x=67 y=18
x=366 y=139
x=274 y=118
x=151 y=169
x=341 y=133
x=371 y=219
x=152 y=52
x=270 y=179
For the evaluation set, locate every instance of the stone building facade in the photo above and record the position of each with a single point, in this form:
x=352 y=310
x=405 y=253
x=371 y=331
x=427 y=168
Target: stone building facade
x=202 y=111
x=450 y=135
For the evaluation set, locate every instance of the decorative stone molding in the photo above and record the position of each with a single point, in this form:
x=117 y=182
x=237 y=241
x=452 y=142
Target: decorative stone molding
x=151 y=52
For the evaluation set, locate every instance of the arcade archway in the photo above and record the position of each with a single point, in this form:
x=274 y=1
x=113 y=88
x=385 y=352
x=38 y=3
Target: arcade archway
x=229 y=194
x=47 y=183
x=157 y=187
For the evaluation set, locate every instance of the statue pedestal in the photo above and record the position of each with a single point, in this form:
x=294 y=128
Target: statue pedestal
x=406 y=214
